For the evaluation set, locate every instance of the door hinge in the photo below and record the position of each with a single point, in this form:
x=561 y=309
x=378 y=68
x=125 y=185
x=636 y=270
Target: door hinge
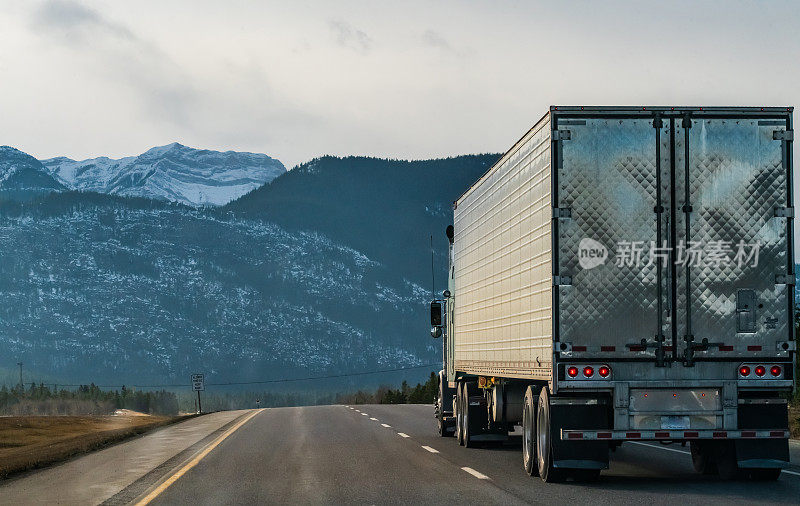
x=784 y=212
x=562 y=212
x=784 y=279
x=562 y=135
x=783 y=135
x=562 y=280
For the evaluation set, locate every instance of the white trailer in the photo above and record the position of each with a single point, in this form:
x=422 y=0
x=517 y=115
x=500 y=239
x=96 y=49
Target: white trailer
x=626 y=273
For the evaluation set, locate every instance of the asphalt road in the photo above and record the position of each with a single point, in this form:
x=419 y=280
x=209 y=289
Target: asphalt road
x=392 y=455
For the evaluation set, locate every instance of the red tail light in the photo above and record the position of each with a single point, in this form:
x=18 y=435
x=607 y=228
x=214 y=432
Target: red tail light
x=572 y=371
x=744 y=370
x=604 y=371
x=588 y=371
x=761 y=370
x=775 y=370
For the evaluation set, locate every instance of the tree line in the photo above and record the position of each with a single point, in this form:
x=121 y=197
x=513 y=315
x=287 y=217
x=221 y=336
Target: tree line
x=86 y=400
x=422 y=393
x=40 y=399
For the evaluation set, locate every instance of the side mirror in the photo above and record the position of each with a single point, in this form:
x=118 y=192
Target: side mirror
x=436 y=319
x=436 y=314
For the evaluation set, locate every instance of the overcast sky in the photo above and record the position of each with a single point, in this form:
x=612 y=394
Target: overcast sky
x=298 y=79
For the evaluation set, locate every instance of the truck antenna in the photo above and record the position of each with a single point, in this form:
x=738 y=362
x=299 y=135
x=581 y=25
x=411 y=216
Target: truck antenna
x=433 y=278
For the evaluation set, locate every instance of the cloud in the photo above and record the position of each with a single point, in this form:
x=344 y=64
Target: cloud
x=76 y=21
x=112 y=49
x=350 y=37
x=433 y=39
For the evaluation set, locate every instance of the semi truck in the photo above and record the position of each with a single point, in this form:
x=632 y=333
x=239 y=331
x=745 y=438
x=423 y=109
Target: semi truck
x=626 y=274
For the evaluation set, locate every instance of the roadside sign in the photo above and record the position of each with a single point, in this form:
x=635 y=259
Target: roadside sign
x=198 y=382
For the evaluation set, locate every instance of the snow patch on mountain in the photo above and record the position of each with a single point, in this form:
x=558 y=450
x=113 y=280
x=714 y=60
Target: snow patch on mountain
x=196 y=177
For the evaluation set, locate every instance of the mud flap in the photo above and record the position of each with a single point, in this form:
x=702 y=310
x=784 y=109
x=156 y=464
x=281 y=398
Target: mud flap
x=763 y=453
x=578 y=454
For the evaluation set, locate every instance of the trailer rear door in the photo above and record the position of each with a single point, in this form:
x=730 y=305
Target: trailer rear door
x=612 y=176
x=732 y=200
x=673 y=227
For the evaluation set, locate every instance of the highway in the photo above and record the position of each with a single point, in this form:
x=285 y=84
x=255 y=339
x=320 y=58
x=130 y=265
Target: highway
x=390 y=454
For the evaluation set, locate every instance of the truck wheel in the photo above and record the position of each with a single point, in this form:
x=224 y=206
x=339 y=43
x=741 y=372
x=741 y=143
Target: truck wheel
x=586 y=475
x=765 y=474
x=544 y=449
x=459 y=415
x=440 y=400
x=465 y=430
x=529 y=433
x=726 y=462
x=702 y=458
x=440 y=427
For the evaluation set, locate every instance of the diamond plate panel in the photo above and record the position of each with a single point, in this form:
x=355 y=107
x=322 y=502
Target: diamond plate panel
x=608 y=179
x=736 y=179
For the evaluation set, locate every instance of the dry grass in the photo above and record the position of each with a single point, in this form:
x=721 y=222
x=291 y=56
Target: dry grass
x=794 y=420
x=29 y=442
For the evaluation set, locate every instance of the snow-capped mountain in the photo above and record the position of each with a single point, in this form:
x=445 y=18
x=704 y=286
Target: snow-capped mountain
x=196 y=177
x=324 y=271
x=22 y=176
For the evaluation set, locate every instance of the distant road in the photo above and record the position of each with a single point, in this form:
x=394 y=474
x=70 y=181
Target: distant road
x=391 y=454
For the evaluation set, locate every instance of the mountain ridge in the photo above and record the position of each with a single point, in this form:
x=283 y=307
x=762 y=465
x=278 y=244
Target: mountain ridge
x=386 y=208
x=23 y=177
x=196 y=177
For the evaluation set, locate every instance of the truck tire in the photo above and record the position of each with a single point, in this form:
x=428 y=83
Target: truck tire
x=586 y=475
x=703 y=458
x=440 y=426
x=466 y=430
x=727 y=465
x=441 y=399
x=764 y=474
x=529 y=461
x=459 y=414
x=544 y=432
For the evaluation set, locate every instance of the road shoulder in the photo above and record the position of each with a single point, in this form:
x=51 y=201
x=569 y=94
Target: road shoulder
x=99 y=476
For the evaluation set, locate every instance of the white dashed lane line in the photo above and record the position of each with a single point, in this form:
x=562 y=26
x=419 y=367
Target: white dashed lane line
x=469 y=470
x=661 y=447
x=475 y=473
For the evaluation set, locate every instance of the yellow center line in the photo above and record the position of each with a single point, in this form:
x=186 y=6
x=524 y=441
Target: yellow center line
x=172 y=479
